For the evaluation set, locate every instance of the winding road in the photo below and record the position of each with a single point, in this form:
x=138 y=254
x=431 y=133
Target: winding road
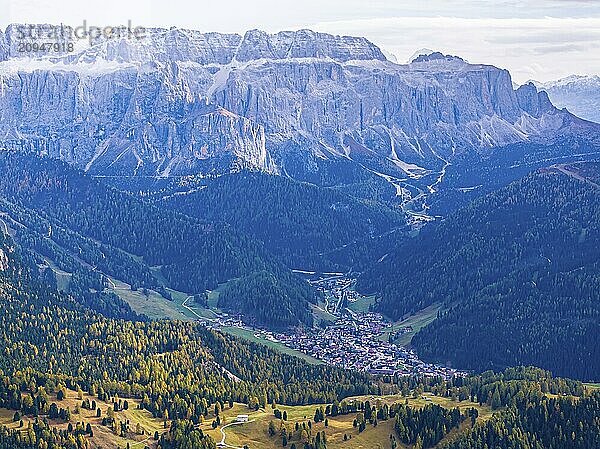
x=5 y=230
x=188 y=308
x=565 y=169
x=222 y=442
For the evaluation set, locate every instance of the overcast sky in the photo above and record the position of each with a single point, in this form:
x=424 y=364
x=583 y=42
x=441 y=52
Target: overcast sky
x=539 y=39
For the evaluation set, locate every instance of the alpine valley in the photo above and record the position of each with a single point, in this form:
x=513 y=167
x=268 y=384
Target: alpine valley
x=293 y=229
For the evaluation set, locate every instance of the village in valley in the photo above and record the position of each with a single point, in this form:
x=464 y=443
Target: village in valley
x=354 y=342
x=347 y=336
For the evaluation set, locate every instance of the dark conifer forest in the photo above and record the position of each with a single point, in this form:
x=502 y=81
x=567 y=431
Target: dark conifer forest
x=71 y=219
x=518 y=272
x=302 y=223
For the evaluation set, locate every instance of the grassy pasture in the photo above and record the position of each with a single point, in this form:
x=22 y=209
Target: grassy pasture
x=255 y=433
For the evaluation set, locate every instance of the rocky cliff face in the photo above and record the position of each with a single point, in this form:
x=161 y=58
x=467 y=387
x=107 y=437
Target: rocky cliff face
x=176 y=45
x=114 y=118
x=3 y=47
x=182 y=101
x=3 y=261
x=414 y=113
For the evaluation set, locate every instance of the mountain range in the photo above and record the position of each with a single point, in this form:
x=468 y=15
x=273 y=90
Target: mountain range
x=316 y=107
x=579 y=94
x=192 y=161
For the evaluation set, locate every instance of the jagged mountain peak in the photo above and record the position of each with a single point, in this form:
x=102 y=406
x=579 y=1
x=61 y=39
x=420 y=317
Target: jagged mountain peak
x=533 y=102
x=178 y=44
x=426 y=55
x=420 y=52
x=285 y=102
x=306 y=43
x=580 y=94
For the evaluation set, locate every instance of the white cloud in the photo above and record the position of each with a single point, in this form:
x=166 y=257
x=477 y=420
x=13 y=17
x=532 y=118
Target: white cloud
x=542 y=39
x=541 y=48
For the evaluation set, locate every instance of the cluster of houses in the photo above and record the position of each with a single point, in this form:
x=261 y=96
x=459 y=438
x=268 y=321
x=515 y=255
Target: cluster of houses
x=337 y=292
x=357 y=341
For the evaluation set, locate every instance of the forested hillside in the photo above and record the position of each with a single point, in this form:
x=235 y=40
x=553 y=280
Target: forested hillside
x=180 y=372
x=300 y=222
x=61 y=213
x=43 y=239
x=47 y=338
x=549 y=423
x=531 y=418
x=269 y=292
x=520 y=272
x=534 y=410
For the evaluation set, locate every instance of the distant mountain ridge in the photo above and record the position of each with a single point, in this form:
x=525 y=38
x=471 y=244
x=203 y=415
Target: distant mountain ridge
x=176 y=44
x=579 y=94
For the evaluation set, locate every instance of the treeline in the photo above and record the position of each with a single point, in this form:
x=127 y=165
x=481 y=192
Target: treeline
x=38 y=240
x=503 y=389
x=87 y=287
x=533 y=410
x=530 y=406
x=71 y=250
x=425 y=427
x=39 y=435
x=115 y=231
x=518 y=270
x=183 y=435
x=301 y=435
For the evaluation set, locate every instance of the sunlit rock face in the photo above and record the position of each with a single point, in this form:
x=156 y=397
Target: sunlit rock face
x=3 y=261
x=180 y=102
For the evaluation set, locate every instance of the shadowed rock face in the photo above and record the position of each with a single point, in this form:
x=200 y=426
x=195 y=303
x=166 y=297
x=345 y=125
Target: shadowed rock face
x=182 y=102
